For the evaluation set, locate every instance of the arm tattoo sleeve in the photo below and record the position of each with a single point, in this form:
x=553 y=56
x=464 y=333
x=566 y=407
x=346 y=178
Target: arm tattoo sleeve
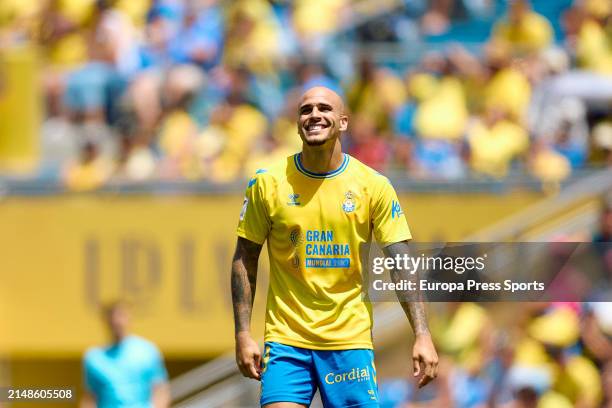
x=244 y=280
x=410 y=300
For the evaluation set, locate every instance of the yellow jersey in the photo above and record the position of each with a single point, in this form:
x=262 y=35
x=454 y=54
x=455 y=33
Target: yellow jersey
x=314 y=224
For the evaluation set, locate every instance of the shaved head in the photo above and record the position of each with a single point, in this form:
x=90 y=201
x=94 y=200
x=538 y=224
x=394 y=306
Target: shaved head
x=321 y=117
x=325 y=93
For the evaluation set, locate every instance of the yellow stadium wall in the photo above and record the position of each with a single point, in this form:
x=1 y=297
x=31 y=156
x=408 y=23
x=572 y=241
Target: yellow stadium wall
x=170 y=256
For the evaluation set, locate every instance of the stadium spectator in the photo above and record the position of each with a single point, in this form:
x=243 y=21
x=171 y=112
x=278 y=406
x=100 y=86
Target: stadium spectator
x=93 y=90
x=253 y=37
x=315 y=20
x=62 y=32
x=602 y=141
x=494 y=142
x=604 y=233
x=571 y=145
x=64 y=47
x=573 y=375
x=376 y=93
x=367 y=145
x=178 y=129
x=508 y=86
x=548 y=166
x=596 y=332
x=91 y=171
x=523 y=31
x=199 y=40
x=161 y=27
x=135 y=161
x=593 y=42
x=558 y=117
x=107 y=60
x=437 y=18
x=438 y=159
x=128 y=372
x=443 y=113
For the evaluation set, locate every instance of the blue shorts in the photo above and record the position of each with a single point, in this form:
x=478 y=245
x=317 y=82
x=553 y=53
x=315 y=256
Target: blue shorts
x=345 y=378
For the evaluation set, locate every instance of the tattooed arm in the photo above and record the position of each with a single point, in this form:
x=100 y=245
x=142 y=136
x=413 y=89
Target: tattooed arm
x=424 y=356
x=244 y=279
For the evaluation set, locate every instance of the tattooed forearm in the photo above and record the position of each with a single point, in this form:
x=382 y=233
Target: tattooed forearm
x=416 y=314
x=409 y=299
x=244 y=280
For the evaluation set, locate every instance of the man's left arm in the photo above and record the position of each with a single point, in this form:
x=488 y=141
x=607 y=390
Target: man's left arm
x=87 y=400
x=161 y=395
x=160 y=389
x=391 y=231
x=424 y=355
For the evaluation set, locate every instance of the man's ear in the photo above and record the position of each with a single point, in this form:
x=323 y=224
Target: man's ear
x=343 y=123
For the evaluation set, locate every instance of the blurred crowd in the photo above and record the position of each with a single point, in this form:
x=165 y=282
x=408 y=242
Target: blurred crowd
x=140 y=90
x=520 y=355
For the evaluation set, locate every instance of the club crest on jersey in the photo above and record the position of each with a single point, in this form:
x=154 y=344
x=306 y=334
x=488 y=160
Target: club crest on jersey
x=348 y=205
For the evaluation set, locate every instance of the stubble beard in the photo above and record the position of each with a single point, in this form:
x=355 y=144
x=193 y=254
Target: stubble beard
x=319 y=142
x=316 y=142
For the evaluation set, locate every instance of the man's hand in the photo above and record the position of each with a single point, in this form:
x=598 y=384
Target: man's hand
x=425 y=359
x=248 y=356
x=424 y=356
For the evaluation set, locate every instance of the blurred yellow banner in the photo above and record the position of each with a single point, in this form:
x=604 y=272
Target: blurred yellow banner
x=20 y=108
x=61 y=256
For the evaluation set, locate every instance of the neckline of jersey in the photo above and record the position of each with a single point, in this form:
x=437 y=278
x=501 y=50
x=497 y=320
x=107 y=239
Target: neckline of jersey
x=297 y=159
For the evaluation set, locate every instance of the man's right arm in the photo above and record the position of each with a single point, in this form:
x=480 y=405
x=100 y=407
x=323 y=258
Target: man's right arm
x=244 y=280
x=87 y=400
x=161 y=395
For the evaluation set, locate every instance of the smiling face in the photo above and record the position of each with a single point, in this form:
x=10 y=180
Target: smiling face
x=321 y=116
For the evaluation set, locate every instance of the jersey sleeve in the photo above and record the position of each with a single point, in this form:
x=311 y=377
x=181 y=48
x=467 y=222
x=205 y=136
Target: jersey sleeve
x=88 y=380
x=388 y=219
x=158 y=369
x=254 y=223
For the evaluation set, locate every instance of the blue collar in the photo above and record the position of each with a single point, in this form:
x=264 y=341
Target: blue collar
x=297 y=159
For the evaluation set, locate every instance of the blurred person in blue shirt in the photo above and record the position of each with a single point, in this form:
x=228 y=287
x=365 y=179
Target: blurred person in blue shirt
x=129 y=372
x=163 y=23
x=574 y=149
x=94 y=88
x=200 y=37
x=438 y=159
